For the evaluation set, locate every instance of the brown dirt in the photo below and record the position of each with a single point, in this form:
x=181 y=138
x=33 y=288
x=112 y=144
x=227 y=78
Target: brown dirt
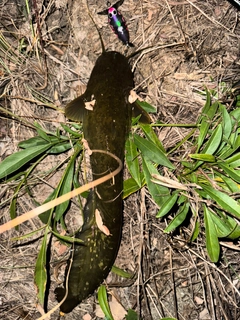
x=198 y=45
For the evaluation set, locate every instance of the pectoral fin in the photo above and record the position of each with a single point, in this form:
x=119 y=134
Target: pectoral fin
x=75 y=109
x=118 y=4
x=103 y=12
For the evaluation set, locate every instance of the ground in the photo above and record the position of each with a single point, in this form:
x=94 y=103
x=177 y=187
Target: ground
x=47 y=52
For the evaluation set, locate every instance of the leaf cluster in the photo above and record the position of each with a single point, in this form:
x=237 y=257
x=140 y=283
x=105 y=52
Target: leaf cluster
x=204 y=184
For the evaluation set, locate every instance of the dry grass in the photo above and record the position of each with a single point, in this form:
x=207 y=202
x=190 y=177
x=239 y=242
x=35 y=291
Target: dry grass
x=198 y=46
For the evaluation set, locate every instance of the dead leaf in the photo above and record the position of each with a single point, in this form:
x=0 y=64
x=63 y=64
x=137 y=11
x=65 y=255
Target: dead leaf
x=198 y=300
x=100 y=224
x=133 y=97
x=87 y=317
x=89 y=105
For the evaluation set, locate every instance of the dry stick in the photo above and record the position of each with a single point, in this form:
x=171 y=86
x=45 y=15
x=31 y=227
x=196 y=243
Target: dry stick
x=36 y=211
x=41 y=45
x=216 y=268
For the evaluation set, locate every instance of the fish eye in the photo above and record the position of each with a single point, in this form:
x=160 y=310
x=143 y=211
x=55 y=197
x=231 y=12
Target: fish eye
x=114 y=12
x=110 y=15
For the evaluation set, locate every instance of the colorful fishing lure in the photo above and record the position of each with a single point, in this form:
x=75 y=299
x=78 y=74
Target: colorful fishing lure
x=117 y=22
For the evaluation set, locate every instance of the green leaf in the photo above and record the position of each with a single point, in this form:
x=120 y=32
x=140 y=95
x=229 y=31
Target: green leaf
x=72 y=132
x=208 y=114
x=146 y=106
x=27 y=235
x=120 y=272
x=196 y=231
x=23 y=181
x=221 y=225
x=152 y=152
x=234 y=174
x=132 y=315
x=231 y=185
x=205 y=108
x=223 y=200
x=12 y=209
x=131 y=157
x=159 y=193
x=235 y=234
x=130 y=186
x=44 y=217
x=41 y=132
x=203 y=157
x=32 y=142
x=234 y=161
x=60 y=147
x=168 y=205
x=212 y=243
x=227 y=125
x=67 y=239
x=235 y=114
x=16 y=160
x=179 y=218
x=65 y=185
x=40 y=273
x=231 y=147
x=151 y=135
x=214 y=141
x=102 y=299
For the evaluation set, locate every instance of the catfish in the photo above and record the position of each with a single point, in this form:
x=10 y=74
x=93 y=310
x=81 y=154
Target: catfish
x=105 y=114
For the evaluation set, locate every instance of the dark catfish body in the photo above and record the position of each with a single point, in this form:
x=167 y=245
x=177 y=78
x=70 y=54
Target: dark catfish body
x=105 y=127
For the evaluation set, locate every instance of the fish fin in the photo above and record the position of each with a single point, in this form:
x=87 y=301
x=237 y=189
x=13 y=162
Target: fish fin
x=118 y=4
x=75 y=109
x=103 y=12
x=138 y=111
x=129 y=44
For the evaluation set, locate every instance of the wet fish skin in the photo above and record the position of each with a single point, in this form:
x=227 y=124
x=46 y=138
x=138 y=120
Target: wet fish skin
x=105 y=127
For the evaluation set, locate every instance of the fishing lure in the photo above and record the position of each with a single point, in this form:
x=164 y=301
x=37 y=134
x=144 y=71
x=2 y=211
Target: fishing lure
x=117 y=22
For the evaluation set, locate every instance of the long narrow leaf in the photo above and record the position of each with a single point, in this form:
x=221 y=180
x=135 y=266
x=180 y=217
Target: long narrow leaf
x=223 y=200
x=222 y=227
x=130 y=186
x=234 y=161
x=32 y=142
x=212 y=243
x=168 y=205
x=206 y=122
x=152 y=152
x=151 y=135
x=66 y=186
x=132 y=162
x=40 y=273
x=179 y=218
x=214 y=141
x=16 y=160
x=159 y=193
x=102 y=299
x=234 y=174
